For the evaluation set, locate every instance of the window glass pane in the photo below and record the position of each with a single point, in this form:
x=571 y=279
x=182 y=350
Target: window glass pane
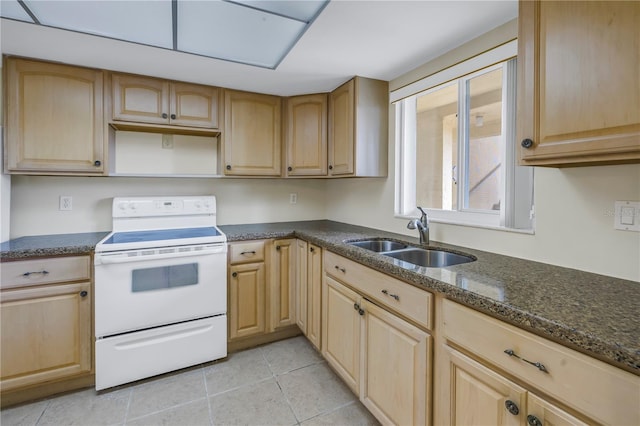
x=485 y=141
x=437 y=148
x=164 y=277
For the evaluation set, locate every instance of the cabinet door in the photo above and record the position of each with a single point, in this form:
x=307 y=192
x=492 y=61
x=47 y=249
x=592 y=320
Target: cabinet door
x=283 y=284
x=396 y=368
x=341 y=331
x=194 y=105
x=579 y=91
x=246 y=300
x=46 y=334
x=307 y=135
x=341 y=129
x=54 y=118
x=476 y=395
x=314 y=295
x=140 y=99
x=301 y=285
x=252 y=134
x=541 y=412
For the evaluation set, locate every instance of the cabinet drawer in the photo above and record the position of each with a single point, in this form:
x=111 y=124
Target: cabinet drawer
x=250 y=251
x=403 y=298
x=23 y=273
x=601 y=391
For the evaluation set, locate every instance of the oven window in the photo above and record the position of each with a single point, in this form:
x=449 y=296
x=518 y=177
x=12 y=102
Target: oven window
x=164 y=277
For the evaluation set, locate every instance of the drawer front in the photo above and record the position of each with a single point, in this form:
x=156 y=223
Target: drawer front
x=599 y=390
x=24 y=273
x=245 y=252
x=409 y=301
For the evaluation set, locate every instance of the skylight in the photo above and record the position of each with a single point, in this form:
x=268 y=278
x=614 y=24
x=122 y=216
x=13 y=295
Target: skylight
x=253 y=32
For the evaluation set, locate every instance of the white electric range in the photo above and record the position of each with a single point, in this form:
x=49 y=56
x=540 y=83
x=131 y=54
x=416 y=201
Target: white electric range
x=160 y=288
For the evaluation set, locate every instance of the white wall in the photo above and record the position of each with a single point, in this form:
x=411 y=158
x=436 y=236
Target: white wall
x=574 y=221
x=34 y=200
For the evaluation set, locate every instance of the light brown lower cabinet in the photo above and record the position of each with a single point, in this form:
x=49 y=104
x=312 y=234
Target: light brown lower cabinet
x=384 y=359
x=46 y=339
x=246 y=300
x=309 y=291
x=478 y=395
x=282 y=292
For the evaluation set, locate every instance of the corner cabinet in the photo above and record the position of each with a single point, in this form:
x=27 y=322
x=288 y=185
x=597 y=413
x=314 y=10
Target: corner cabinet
x=309 y=291
x=306 y=135
x=154 y=101
x=47 y=329
x=252 y=134
x=578 y=85
x=358 y=128
x=45 y=135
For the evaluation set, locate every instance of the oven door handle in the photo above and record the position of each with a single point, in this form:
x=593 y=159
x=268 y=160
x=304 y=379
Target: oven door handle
x=120 y=258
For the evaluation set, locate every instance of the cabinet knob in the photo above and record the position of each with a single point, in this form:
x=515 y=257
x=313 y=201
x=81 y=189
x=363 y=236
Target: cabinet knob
x=83 y=293
x=526 y=143
x=228 y=167
x=277 y=247
x=235 y=274
x=173 y=116
x=533 y=420
x=330 y=167
x=512 y=407
x=97 y=163
x=289 y=168
x=311 y=249
x=164 y=115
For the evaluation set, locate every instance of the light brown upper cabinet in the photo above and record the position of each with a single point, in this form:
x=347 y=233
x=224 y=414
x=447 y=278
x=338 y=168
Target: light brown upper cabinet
x=306 y=135
x=579 y=90
x=155 y=101
x=54 y=119
x=252 y=135
x=358 y=128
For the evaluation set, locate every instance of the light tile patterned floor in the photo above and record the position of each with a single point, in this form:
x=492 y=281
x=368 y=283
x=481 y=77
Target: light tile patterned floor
x=282 y=383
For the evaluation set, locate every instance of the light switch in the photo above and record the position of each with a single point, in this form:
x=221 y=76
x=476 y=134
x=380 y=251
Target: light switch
x=627 y=215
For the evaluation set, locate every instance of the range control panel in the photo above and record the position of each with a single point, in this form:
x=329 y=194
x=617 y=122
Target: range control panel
x=163 y=206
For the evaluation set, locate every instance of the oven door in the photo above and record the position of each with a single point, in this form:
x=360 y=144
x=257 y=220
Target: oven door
x=139 y=289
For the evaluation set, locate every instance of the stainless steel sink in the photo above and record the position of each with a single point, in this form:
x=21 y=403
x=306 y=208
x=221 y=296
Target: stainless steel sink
x=379 y=245
x=429 y=258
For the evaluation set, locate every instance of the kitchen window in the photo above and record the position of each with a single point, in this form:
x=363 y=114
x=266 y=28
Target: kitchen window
x=455 y=150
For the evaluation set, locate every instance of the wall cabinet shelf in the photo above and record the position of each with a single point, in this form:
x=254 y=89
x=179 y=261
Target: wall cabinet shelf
x=306 y=135
x=579 y=91
x=148 y=100
x=45 y=135
x=358 y=128
x=252 y=134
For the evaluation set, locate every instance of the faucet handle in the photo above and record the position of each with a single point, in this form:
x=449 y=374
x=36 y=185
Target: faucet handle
x=424 y=217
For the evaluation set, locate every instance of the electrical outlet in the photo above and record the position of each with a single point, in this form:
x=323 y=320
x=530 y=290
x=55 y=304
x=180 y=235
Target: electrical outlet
x=293 y=198
x=167 y=141
x=66 y=202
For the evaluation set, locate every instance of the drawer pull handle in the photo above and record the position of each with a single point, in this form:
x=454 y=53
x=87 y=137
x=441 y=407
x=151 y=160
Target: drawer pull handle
x=395 y=296
x=248 y=252
x=538 y=365
x=512 y=407
x=533 y=420
x=28 y=274
x=341 y=269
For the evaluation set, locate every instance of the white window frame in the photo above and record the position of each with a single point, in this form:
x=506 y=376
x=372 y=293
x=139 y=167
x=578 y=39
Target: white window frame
x=516 y=212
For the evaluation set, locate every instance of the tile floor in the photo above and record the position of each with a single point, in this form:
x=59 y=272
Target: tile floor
x=282 y=383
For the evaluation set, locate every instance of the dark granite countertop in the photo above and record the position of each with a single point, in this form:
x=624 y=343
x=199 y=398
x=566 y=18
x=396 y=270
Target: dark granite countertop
x=595 y=314
x=50 y=245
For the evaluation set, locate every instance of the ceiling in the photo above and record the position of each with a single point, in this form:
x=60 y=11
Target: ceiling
x=376 y=39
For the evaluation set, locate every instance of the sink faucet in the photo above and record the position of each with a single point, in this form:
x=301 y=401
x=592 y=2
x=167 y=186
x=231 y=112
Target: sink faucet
x=422 y=225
